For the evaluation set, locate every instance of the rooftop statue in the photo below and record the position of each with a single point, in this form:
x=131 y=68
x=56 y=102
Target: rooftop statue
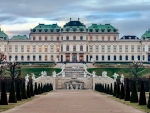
x=122 y=78
x=104 y=74
x=84 y=74
x=63 y=74
x=54 y=74
x=93 y=73
x=33 y=78
x=27 y=79
x=115 y=76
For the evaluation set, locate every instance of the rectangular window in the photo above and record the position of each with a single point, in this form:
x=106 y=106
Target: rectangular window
x=91 y=48
x=132 y=48
x=39 y=38
x=120 y=48
x=57 y=48
x=108 y=38
x=34 y=48
x=115 y=38
x=57 y=38
x=52 y=48
x=51 y=57
x=45 y=38
x=22 y=48
x=51 y=38
x=5 y=48
x=97 y=48
x=126 y=48
x=58 y=57
x=33 y=38
x=103 y=48
x=96 y=57
x=102 y=38
x=91 y=38
x=143 y=48
x=96 y=38
x=108 y=48
x=108 y=57
x=103 y=57
x=46 y=48
x=138 y=48
x=115 y=57
x=114 y=49
x=10 y=48
x=28 y=48
x=40 y=48
x=143 y=57
x=16 y=48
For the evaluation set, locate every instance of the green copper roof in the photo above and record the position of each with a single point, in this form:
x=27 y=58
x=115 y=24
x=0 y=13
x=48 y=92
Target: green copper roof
x=74 y=24
x=3 y=36
x=146 y=35
x=102 y=28
x=19 y=37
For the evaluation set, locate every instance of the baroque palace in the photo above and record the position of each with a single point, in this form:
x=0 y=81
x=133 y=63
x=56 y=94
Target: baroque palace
x=74 y=42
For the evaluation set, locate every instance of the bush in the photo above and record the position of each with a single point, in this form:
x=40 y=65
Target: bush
x=134 y=96
x=142 y=99
x=28 y=91
x=12 y=94
x=36 y=89
x=115 y=86
x=18 y=92
x=118 y=90
x=24 y=93
x=127 y=94
x=3 y=94
x=122 y=93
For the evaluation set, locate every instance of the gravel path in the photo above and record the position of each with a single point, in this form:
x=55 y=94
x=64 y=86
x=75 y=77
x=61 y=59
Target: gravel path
x=73 y=101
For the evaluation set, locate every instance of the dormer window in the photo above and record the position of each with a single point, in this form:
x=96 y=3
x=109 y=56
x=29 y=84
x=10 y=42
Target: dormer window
x=97 y=30
x=46 y=30
x=40 y=30
x=52 y=30
x=91 y=30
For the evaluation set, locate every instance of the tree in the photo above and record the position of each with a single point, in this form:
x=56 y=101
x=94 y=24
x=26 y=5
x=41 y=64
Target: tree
x=18 y=92
x=148 y=104
x=36 y=89
x=31 y=89
x=142 y=99
x=122 y=93
x=134 y=96
x=111 y=90
x=118 y=90
x=12 y=94
x=115 y=86
x=127 y=94
x=3 y=94
x=24 y=92
x=28 y=91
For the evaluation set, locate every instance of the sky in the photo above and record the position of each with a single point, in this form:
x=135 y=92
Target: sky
x=130 y=17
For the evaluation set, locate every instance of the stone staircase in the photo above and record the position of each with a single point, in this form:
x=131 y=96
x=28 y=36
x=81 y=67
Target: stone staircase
x=69 y=72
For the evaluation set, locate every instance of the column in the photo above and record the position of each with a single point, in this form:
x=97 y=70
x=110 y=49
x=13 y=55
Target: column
x=70 y=57
x=64 y=57
x=84 y=55
x=78 y=57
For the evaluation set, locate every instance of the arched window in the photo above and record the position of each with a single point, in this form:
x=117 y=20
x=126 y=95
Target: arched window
x=103 y=58
x=22 y=57
x=81 y=37
x=74 y=48
x=132 y=57
x=61 y=48
x=96 y=57
x=114 y=57
x=81 y=48
x=10 y=57
x=74 y=37
x=67 y=38
x=28 y=57
x=90 y=57
x=138 y=57
x=126 y=57
x=67 y=48
x=143 y=57
x=33 y=57
x=16 y=57
x=108 y=57
x=45 y=57
x=40 y=57
x=51 y=57
x=120 y=57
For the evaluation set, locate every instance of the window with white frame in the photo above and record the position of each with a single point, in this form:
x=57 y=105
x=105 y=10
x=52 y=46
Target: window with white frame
x=28 y=48
x=108 y=48
x=5 y=48
x=126 y=48
x=22 y=48
x=46 y=48
x=96 y=37
x=143 y=57
x=57 y=48
x=132 y=48
x=120 y=48
x=16 y=48
x=97 y=48
x=40 y=48
x=114 y=48
x=96 y=57
x=52 y=48
x=91 y=48
x=34 y=48
x=143 y=48
x=10 y=48
x=51 y=38
x=138 y=48
x=103 y=48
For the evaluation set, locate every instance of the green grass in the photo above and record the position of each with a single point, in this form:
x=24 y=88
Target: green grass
x=110 y=71
x=36 y=71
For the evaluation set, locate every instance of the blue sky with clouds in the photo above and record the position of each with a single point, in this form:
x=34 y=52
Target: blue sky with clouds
x=17 y=17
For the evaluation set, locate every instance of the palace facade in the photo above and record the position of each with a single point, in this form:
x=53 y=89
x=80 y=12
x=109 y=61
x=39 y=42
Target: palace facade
x=74 y=42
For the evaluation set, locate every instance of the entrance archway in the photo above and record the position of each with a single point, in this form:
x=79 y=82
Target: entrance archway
x=81 y=57
x=74 y=57
x=67 y=57
x=61 y=58
x=148 y=57
x=86 y=58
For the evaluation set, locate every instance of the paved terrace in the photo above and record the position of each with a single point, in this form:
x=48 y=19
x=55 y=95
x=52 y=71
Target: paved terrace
x=73 y=101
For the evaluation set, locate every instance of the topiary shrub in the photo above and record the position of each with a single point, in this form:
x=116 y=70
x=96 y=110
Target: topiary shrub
x=134 y=96
x=12 y=94
x=18 y=92
x=24 y=93
x=148 y=104
x=39 y=89
x=111 y=91
x=142 y=98
x=36 y=89
x=105 y=90
x=28 y=90
x=127 y=92
x=3 y=94
x=114 y=92
x=122 y=93
x=108 y=89
x=118 y=90
x=31 y=89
